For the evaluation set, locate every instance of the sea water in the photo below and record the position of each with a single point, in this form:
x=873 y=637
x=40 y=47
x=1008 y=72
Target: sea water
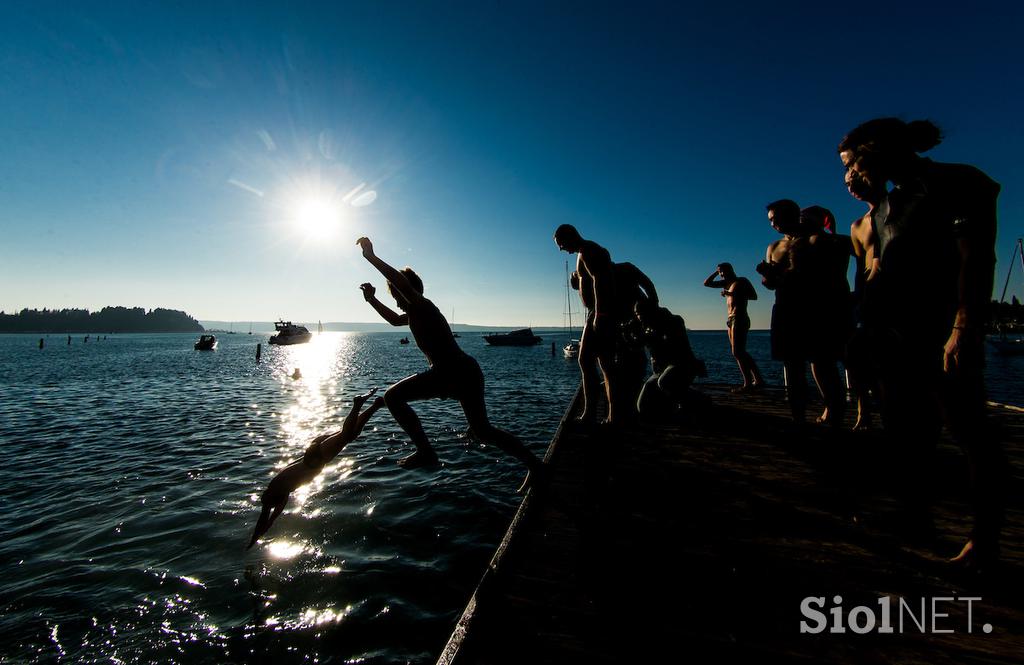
x=132 y=466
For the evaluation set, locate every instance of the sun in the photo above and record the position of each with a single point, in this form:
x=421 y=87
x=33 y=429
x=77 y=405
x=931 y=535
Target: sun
x=318 y=218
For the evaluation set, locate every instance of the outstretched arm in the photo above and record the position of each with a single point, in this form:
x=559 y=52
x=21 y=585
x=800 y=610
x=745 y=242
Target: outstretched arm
x=397 y=279
x=352 y=427
x=646 y=284
x=388 y=314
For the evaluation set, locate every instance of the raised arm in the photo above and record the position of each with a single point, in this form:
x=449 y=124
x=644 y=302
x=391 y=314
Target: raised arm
x=388 y=314
x=397 y=279
x=712 y=283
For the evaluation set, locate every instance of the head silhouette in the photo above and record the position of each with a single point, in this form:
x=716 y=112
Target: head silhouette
x=727 y=270
x=880 y=150
x=414 y=281
x=784 y=216
x=860 y=189
x=816 y=219
x=568 y=238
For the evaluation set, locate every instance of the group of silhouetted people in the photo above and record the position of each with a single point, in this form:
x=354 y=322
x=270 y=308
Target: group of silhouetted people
x=911 y=331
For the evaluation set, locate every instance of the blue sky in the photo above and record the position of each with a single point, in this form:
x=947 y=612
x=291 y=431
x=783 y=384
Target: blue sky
x=158 y=155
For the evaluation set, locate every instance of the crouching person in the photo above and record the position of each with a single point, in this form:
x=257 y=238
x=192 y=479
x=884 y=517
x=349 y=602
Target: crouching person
x=675 y=367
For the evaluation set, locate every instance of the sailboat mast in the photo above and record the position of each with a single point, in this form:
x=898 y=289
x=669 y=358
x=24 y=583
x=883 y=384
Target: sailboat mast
x=1017 y=249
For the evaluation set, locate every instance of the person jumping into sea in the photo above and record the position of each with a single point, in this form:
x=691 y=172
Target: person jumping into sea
x=323 y=449
x=453 y=374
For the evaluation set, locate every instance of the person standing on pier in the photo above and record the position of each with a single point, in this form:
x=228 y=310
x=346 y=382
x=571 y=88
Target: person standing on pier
x=828 y=256
x=783 y=271
x=737 y=291
x=865 y=253
x=597 y=290
x=632 y=287
x=453 y=374
x=936 y=233
x=672 y=359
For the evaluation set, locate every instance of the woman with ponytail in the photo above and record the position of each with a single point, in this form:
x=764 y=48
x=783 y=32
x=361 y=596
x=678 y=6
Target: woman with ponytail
x=935 y=231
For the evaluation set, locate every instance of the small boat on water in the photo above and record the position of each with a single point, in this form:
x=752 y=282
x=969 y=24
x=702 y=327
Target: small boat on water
x=1007 y=346
x=523 y=337
x=206 y=343
x=289 y=333
x=404 y=340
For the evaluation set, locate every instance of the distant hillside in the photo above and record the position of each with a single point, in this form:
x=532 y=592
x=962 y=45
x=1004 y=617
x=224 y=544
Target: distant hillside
x=107 y=320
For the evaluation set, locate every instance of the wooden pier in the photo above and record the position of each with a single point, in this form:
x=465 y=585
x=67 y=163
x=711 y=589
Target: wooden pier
x=700 y=539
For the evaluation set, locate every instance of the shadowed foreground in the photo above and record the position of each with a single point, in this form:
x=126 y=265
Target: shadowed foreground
x=703 y=537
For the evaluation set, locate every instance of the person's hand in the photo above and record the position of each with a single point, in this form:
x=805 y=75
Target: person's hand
x=763 y=268
x=359 y=400
x=367 y=246
x=725 y=293
x=951 y=352
x=368 y=291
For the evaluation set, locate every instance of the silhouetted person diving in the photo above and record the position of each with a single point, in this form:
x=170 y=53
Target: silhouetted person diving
x=323 y=449
x=598 y=341
x=452 y=374
x=737 y=291
x=928 y=305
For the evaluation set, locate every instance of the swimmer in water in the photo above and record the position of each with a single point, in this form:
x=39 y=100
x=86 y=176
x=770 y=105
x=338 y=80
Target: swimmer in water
x=323 y=449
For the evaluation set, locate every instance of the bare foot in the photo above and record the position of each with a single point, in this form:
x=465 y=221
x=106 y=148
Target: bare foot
x=977 y=558
x=419 y=459
x=586 y=416
x=358 y=400
x=863 y=424
x=536 y=477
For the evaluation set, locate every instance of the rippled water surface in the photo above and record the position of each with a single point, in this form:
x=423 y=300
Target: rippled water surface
x=132 y=467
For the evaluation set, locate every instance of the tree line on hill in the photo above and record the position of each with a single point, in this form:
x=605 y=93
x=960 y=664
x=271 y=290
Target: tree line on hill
x=107 y=320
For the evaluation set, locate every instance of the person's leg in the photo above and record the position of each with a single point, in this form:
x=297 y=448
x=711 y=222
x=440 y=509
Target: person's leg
x=652 y=403
x=964 y=405
x=470 y=384
x=859 y=368
x=482 y=428
x=748 y=368
x=425 y=385
x=796 y=388
x=826 y=377
x=631 y=368
x=588 y=371
x=605 y=337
